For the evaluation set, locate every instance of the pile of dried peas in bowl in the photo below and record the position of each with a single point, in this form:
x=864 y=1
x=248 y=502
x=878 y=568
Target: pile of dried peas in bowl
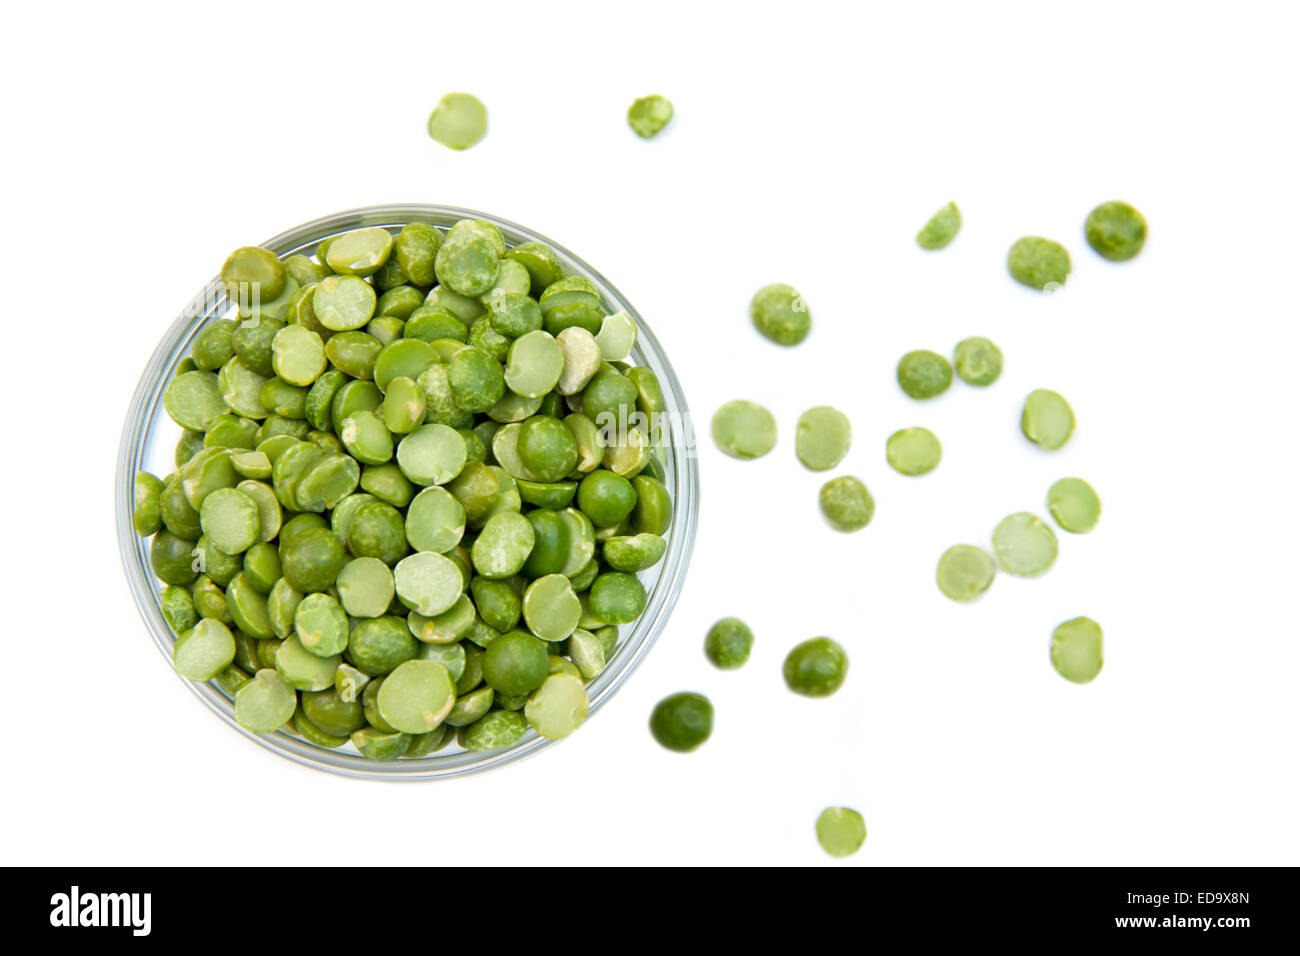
x=412 y=495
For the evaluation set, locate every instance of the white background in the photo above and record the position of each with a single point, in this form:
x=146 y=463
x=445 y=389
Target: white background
x=810 y=143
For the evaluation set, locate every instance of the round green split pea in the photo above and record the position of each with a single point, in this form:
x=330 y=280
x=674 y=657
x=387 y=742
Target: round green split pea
x=558 y=707
x=681 y=722
x=978 y=361
x=1077 y=650
x=459 y=121
x=204 y=651
x=913 y=451
x=965 y=572
x=649 y=114
x=1116 y=231
x=1047 y=419
x=822 y=437
x=1024 y=544
x=265 y=703
x=1039 y=263
x=416 y=696
x=1074 y=504
x=516 y=663
x=816 y=668
x=428 y=582
x=780 y=314
x=841 y=831
x=728 y=643
x=744 y=429
x=846 y=503
x=922 y=374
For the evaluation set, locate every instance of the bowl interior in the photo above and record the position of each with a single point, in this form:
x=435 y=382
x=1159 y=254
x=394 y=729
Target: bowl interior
x=149 y=438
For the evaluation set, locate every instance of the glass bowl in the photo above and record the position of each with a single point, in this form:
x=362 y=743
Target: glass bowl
x=149 y=438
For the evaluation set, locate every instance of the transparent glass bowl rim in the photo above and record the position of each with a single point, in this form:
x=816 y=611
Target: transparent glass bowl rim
x=137 y=438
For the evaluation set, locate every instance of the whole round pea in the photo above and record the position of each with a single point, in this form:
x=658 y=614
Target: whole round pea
x=547 y=448
x=965 y=572
x=617 y=597
x=1116 y=231
x=459 y=121
x=516 y=663
x=1024 y=545
x=1047 y=419
x=816 y=668
x=913 y=451
x=681 y=722
x=312 y=560
x=1074 y=505
x=728 y=643
x=1039 y=263
x=744 y=429
x=923 y=374
x=822 y=437
x=846 y=503
x=841 y=831
x=1077 y=650
x=606 y=498
x=978 y=361
x=780 y=314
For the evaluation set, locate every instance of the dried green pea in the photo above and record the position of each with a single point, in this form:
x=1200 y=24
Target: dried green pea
x=649 y=114
x=941 y=229
x=965 y=572
x=913 y=451
x=1077 y=650
x=780 y=314
x=1039 y=263
x=978 y=361
x=1116 y=231
x=459 y=121
x=1047 y=419
x=1074 y=504
x=846 y=503
x=822 y=437
x=744 y=429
